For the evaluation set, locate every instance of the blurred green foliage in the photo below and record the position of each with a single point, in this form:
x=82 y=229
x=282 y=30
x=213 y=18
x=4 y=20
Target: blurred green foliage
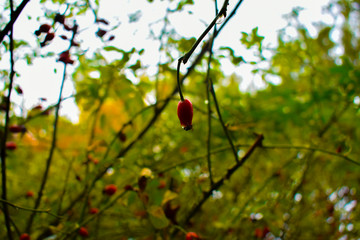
x=300 y=184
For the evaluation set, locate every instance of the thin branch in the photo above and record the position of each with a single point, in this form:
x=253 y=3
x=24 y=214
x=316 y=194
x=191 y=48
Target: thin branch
x=29 y=209
x=316 y=150
x=93 y=216
x=230 y=172
x=222 y=12
x=14 y=17
x=178 y=78
x=223 y=123
x=66 y=181
x=53 y=142
x=50 y=157
x=7 y=119
x=186 y=57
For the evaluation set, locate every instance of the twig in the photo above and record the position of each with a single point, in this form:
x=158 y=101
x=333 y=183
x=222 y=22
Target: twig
x=316 y=150
x=230 y=172
x=66 y=181
x=93 y=216
x=186 y=57
x=15 y=14
x=222 y=12
x=53 y=142
x=7 y=119
x=50 y=157
x=29 y=209
x=222 y=122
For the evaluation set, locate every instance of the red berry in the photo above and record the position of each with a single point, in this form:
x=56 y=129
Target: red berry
x=93 y=210
x=11 y=145
x=185 y=114
x=122 y=136
x=24 y=236
x=44 y=28
x=29 y=194
x=110 y=189
x=266 y=230
x=128 y=188
x=83 y=232
x=16 y=128
x=192 y=236
x=162 y=184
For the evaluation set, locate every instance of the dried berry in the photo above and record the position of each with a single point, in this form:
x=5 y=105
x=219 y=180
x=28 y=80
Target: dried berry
x=101 y=20
x=49 y=37
x=19 y=90
x=185 y=114
x=122 y=136
x=101 y=32
x=59 y=18
x=44 y=28
x=128 y=188
x=65 y=58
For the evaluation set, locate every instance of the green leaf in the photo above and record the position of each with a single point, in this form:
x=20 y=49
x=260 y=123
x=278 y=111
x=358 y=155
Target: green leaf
x=157 y=217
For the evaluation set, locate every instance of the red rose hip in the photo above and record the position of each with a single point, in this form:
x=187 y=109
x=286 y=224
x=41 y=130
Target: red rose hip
x=24 y=236
x=185 y=114
x=83 y=232
x=11 y=145
x=110 y=189
x=192 y=236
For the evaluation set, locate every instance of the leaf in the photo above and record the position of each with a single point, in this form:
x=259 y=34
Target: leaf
x=157 y=217
x=168 y=196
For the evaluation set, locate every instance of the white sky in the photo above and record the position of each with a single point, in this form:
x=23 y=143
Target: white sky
x=40 y=80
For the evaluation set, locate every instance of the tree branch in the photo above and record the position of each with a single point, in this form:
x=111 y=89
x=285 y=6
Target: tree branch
x=230 y=172
x=53 y=142
x=14 y=17
x=7 y=119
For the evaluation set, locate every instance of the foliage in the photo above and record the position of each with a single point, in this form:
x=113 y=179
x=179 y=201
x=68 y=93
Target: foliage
x=299 y=182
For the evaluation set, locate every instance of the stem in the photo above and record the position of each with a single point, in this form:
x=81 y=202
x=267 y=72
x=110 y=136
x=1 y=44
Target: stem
x=51 y=152
x=218 y=184
x=7 y=118
x=15 y=14
x=222 y=123
x=186 y=57
x=28 y=209
x=221 y=13
x=178 y=78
